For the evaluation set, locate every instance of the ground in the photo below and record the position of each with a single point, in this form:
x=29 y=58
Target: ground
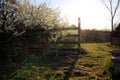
x=68 y=66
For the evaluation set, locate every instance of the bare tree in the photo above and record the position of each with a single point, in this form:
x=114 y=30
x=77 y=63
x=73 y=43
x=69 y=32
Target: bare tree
x=112 y=6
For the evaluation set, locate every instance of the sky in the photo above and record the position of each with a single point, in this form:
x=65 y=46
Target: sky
x=92 y=13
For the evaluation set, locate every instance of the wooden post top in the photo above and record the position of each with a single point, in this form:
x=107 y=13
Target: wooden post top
x=78 y=20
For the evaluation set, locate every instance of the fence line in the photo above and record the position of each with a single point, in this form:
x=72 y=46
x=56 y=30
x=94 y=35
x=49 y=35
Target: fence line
x=66 y=42
x=72 y=35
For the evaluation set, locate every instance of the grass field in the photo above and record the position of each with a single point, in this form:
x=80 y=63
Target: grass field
x=69 y=66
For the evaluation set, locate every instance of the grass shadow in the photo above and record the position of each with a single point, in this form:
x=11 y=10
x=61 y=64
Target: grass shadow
x=64 y=64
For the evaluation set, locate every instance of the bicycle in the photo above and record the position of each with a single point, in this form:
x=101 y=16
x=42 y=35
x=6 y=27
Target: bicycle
x=48 y=46
x=14 y=47
x=18 y=53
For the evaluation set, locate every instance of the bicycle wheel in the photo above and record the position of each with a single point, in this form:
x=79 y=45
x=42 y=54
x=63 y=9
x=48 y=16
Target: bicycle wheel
x=17 y=55
x=50 y=51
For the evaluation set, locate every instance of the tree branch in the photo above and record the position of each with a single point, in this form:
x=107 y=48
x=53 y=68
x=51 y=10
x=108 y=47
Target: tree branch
x=105 y=4
x=116 y=8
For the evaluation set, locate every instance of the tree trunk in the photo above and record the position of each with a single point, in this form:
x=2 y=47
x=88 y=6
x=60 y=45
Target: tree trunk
x=111 y=29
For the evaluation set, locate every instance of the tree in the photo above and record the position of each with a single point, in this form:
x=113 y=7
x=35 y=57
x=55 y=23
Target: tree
x=18 y=17
x=118 y=27
x=39 y=16
x=112 y=6
x=26 y=18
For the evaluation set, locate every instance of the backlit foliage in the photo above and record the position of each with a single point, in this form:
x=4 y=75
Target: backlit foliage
x=19 y=17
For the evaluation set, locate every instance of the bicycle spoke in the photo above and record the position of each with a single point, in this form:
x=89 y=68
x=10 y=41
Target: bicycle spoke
x=50 y=52
x=17 y=55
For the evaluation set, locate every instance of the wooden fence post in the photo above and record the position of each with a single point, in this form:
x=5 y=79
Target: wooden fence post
x=79 y=45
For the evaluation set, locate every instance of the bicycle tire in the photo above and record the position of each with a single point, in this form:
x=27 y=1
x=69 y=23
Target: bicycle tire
x=18 y=55
x=50 y=51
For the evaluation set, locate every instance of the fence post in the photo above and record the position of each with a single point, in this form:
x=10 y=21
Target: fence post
x=79 y=45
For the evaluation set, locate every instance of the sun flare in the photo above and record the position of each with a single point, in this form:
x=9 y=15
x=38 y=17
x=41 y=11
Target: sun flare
x=91 y=12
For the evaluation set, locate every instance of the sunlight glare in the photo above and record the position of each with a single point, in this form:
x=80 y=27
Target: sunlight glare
x=90 y=11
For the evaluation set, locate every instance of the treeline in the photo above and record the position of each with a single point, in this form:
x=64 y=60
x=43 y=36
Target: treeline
x=88 y=36
x=116 y=32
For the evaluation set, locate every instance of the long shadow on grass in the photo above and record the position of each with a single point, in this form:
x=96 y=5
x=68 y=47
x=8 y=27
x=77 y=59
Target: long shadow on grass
x=69 y=71
x=64 y=63
x=75 y=57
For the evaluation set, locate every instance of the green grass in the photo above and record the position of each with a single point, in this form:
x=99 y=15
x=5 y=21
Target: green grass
x=35 y=73
x=108 y=65
x=92 y=66
x=98 y=60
